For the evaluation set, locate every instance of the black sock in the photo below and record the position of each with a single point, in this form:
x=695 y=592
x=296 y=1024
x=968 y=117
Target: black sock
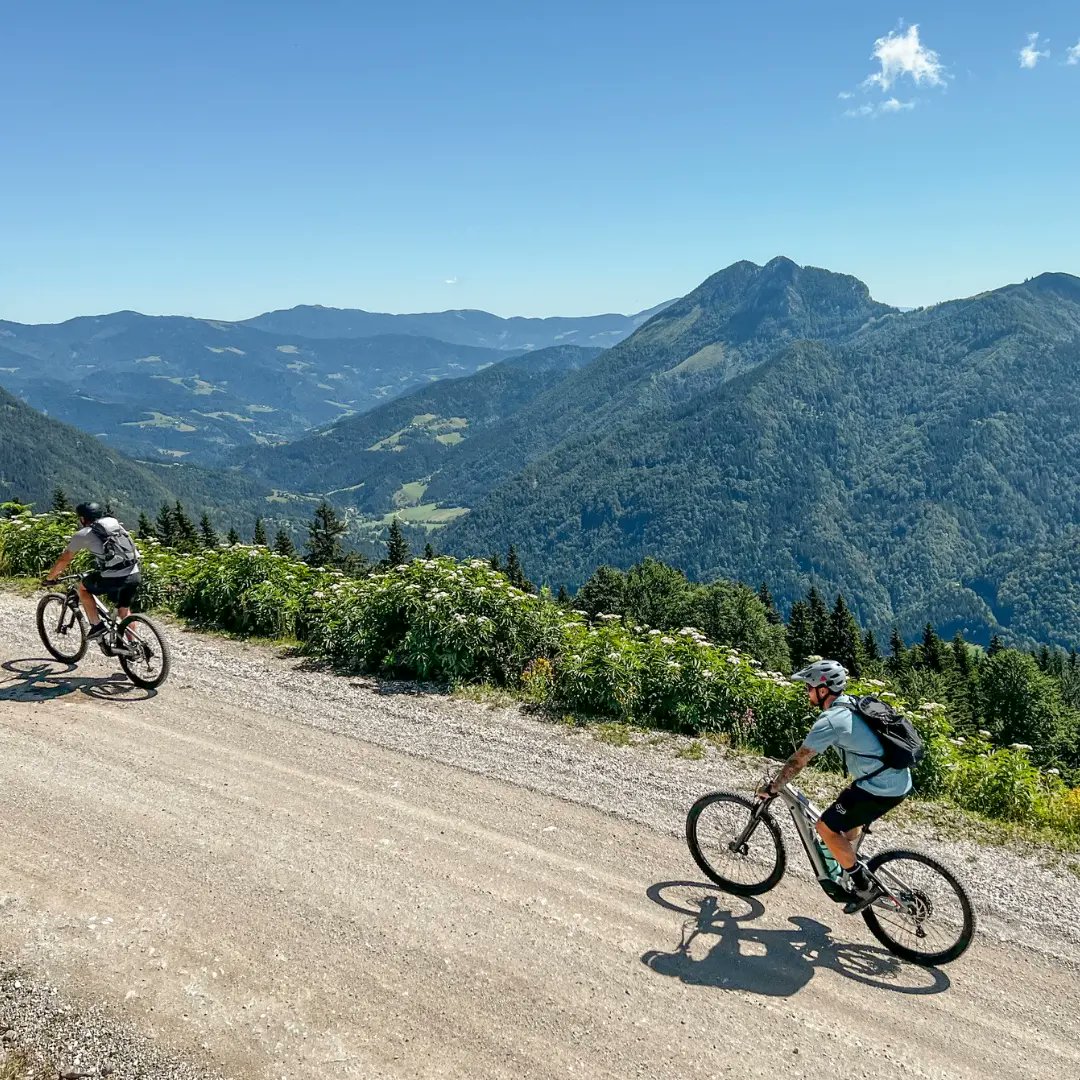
x=859 y=876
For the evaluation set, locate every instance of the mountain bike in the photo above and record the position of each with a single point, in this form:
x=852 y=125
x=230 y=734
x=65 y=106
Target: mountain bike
x=136 y=641
x=924 y=914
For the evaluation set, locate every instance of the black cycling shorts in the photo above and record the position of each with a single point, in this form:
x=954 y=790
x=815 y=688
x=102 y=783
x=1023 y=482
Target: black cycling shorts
x=854 y=807
x=121 y=591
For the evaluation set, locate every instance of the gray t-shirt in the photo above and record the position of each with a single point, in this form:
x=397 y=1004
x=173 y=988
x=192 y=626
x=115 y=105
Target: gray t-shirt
x=87 y=540
x=840 y=727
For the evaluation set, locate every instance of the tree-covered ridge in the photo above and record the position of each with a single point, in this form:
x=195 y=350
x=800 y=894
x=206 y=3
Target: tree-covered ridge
x=39 y=455
x=365 y=460
x=925 y=464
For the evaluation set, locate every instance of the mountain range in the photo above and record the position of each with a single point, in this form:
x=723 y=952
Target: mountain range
x=776 y=423
x=177 y=388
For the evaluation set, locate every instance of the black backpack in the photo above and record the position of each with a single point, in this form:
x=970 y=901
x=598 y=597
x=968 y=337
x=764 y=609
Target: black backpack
x=901 y=745
x=118 y=551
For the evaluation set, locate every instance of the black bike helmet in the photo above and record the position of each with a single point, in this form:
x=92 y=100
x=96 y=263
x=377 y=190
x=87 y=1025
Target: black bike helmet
x=89 y=511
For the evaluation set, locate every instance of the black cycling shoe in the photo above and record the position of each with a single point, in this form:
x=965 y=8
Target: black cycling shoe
x=862 y=899
x=97 y=631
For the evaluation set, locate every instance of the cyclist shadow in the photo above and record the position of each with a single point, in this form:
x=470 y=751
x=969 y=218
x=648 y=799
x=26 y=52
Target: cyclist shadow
x=35 y=679
x=717 y=948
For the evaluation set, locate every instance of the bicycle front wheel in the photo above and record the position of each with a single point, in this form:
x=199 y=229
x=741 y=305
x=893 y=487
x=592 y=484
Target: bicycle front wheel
x=736 y=843
x=62 y=628
x=148 y=659
x=928 y=918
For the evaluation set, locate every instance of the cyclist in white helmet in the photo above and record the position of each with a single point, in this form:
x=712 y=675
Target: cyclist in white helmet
x=874 y=790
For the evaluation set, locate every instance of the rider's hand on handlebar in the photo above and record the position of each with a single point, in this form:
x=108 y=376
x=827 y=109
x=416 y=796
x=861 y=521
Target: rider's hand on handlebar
x=47 y=582
x=765 y=792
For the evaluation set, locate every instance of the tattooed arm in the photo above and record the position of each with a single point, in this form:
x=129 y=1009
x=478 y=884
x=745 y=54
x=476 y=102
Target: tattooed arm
x=792 y=767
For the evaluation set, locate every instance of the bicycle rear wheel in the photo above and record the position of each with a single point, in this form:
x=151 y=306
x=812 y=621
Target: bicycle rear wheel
x=935 y=922
x=150 y=660
x=62 y=628
x=736 y=843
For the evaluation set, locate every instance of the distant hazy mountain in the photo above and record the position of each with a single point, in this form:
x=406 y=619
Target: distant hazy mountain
x=192 y=389
x=478 y=328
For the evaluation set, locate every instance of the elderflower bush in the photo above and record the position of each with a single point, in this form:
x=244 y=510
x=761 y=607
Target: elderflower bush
x=678 y=681
x=249 y=590
x=437 y=619
x=31 y=543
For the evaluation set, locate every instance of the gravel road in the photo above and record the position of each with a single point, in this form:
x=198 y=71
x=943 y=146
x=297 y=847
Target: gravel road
x=264 y=871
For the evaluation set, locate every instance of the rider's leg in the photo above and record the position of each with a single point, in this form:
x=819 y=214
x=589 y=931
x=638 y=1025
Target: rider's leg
x=89 y=604
x=841 y=844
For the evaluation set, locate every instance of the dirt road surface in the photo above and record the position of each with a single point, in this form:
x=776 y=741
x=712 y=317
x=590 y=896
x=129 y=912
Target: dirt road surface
x=250 y=869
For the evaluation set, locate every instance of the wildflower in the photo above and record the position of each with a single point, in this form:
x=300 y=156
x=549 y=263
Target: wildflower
x=665 y=640
x=654 y=633
x=1053 y=772
x=733 y=660
x=983 y=734
x=1019 y=746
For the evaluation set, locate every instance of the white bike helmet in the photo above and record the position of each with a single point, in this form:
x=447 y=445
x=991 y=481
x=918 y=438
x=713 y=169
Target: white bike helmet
x=827 y=673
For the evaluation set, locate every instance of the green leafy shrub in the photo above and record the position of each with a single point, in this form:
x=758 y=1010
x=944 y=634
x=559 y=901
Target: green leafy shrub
x=437 y=619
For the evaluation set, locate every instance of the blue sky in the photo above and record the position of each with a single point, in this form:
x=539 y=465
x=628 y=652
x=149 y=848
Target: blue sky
x=556 y=158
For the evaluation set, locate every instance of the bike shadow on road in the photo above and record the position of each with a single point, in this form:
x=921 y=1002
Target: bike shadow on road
x=35 y=679
x=720 y=947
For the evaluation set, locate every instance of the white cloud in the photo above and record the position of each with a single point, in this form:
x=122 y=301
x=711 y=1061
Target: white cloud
x=1030 y=54
x=903 y=54
x=450 y=281
x=881 y=108
x=1073 y=54
x=845 y=95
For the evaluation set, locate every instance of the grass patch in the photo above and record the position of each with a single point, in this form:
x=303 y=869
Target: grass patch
x=160 y=420
x=17 y=1066
x=410 y=494
x=612 y=732
x=450 y=438
x=692 y=751
x=484 y=694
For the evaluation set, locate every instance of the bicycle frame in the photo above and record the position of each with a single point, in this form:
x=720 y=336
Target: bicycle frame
x=112 y=645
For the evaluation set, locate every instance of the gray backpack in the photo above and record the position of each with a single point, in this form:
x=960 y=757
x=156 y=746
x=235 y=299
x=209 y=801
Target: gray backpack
x=118 y=551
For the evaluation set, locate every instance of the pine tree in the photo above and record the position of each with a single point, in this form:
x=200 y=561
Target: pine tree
x=108 y=510
x=233 y=538
x=819 y=620
x=766 y=598
x=995 y=646
x=1043 y=659
x=495 y=561
x=931 y=649
x=324 y=537
x=144 y=528
x=961 y=659
x=165 y=526
x=397 y=547
x=800 y=633
x=871 y=652
x=187 y=536
x=844 y=641
x=210 y=538
x=429 y=551
x=283 y=544
x=258 y=537
x=563 y=597
x=514 y=573
x=61 y=504
x=897 y=648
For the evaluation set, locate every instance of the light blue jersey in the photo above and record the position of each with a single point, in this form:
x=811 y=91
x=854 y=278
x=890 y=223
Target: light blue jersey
x=842 y=728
